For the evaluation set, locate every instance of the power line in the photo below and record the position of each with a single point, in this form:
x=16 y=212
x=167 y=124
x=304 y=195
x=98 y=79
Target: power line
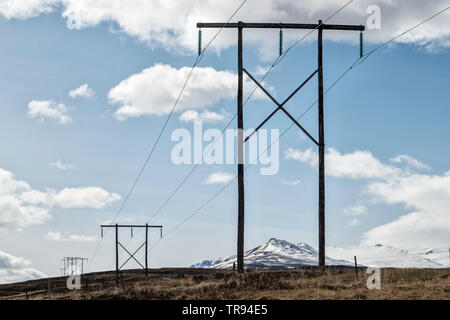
x=277 y=61
x=280 y=58
x=197 y=61
x=403 y=33
x=141 y=171
x=357 y=62
x=312 y=31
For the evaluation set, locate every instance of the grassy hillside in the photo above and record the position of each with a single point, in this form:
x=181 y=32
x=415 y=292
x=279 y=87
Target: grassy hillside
x=215 y=284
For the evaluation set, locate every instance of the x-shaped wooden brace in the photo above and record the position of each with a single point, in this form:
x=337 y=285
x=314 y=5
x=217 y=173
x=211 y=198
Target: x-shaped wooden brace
x=280 y=106
x=131 y=255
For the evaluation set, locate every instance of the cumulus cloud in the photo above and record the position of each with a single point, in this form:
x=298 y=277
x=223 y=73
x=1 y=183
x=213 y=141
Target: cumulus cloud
x=205 y=116
x=83 y=92
x=428 y=199
x=16 y=212
x=67 y=236
x=425 y=197
x=353 y=222
x=61 y=166
x=22 y=206
x=154 y=90
x=356 y=210
x=26 y=9
x=307 y=156
x=411 y=162
x=14 y=269
x=89 y=197
x=355 y=165
x=174 y=25
x=48 y=109
x=220 y=178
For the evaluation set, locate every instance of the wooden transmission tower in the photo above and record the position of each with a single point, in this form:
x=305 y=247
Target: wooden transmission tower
x=131 y=255
x=240 y=26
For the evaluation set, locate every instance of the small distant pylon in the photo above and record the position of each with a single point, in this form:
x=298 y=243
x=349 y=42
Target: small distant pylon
x=72 y=266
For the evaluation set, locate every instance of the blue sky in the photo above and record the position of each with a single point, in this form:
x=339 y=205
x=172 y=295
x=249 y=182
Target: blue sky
x=395 y=103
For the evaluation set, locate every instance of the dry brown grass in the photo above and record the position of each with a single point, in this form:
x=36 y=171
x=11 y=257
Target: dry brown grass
x=255 y=285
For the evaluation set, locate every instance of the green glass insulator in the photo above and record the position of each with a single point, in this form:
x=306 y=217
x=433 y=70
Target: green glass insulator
x=199 y=42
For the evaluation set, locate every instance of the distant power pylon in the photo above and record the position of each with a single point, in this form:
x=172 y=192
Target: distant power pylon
x=131 y=255
x=72 y=266
x=280 y=106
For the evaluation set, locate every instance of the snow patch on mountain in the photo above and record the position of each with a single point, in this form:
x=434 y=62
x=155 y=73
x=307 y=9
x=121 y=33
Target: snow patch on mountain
x=441 y=256
x=383 y=256
x=281 y=254
x=273 y=255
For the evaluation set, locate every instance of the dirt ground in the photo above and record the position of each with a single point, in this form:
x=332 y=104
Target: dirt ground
x=253 y=284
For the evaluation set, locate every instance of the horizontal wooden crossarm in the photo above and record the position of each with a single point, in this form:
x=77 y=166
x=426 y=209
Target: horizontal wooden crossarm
x=281 y=26
x=129 y=226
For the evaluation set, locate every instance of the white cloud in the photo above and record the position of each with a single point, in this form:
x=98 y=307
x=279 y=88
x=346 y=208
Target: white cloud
x=291 y=183
x=61 y=166
x=205 y=116
x=355 y=165
x=84 y=92
x=14 y=269
x=353 y=222
x=220 y=178
x=356 y=210
x=154 y=90
x=173 y=24
x=67 y=236
x=89 y=197
x=22 y=206
x=416 y=164
x=426 y=197
x=16 y=212
x=49 y=109
x=308 y=156
x=260 y=71
x=428 y=223
x=26 y=9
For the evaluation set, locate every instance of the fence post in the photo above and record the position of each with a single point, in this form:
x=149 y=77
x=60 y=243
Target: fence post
x=356 y=269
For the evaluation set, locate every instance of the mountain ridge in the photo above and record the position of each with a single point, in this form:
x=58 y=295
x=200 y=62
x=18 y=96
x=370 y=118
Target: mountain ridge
x=281 y=254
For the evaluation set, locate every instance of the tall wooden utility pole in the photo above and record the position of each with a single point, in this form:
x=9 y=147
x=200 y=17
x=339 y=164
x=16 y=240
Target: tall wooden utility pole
x=321 y=143
x=321 y=151
x=240 y=119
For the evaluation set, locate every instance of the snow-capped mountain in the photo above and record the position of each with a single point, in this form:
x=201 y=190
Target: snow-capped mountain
x=383 y=256
x=274 y=254
x=277 y=254
x=441 y=256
